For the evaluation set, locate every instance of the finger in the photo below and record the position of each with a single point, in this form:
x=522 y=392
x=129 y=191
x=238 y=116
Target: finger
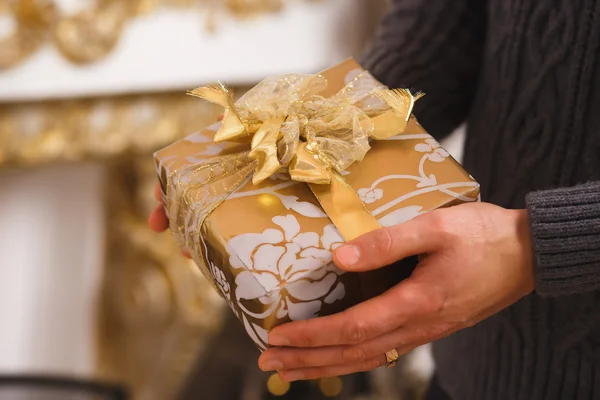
x=368 y=320
x=404 y=339
x=220 y=117
x=186 y=253
x=388 y=245
x=289 y=358
x=158 y=193
x=332 y=371
x=157 y=220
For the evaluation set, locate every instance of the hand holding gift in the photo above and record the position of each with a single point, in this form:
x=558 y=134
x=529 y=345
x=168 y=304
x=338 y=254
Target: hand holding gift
x=476 y=260
x=302 y=164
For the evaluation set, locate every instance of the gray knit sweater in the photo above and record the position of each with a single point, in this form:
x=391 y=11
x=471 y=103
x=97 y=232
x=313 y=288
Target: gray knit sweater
x=525 y=76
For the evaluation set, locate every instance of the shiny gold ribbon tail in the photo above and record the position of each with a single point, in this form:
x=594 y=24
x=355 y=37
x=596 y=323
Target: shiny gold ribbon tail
x=345 y=209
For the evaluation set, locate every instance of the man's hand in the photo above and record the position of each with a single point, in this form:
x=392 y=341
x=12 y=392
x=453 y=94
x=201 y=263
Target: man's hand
x=157 y=220
x=476 y=260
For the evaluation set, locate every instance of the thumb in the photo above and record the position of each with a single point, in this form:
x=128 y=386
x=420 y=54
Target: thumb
x=385 y=246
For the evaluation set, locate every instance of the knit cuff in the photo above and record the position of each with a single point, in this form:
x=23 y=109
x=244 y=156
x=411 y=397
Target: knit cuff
x=565 y=226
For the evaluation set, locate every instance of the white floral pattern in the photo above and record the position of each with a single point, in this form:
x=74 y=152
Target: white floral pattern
x=289 y=271
x=223 y=286
x=401 y=215
x=220 y=279
x=369 y=196
x=436 y=152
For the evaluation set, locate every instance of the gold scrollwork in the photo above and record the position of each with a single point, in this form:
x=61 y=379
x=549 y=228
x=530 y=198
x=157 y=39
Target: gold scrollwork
x=26 y=36
x=74 y=130
x=158 y=313
x=90 y=35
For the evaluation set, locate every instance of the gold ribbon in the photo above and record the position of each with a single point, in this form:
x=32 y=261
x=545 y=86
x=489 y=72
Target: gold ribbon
x=291 y=129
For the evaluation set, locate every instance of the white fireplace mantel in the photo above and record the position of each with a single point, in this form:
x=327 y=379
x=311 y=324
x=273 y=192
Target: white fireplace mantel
x=172 y=49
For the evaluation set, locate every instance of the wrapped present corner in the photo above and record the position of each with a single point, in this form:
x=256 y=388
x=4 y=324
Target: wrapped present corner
x=300 y=164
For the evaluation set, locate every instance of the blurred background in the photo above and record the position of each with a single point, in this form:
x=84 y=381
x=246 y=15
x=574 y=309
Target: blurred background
x=92 y=304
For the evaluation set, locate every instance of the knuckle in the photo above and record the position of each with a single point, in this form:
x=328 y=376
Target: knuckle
x=355 y=331
x=433 y=333
x=354 y=354
x=383 y=241
x=440 y=226
x=436 y=303
x=414 y=296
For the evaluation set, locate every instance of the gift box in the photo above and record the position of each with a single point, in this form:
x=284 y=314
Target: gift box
x=299 y=165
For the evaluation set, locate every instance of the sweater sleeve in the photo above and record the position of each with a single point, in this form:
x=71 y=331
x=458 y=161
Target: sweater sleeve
x=433 y=46
x=565 y=226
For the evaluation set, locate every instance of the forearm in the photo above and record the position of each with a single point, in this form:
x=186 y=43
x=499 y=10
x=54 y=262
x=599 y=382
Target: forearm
x=565 y=226
x=433 y=46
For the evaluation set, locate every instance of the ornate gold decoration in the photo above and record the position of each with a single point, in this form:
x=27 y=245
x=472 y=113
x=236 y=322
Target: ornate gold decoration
x=158 y=312
x=84 y=129
x=89 y=35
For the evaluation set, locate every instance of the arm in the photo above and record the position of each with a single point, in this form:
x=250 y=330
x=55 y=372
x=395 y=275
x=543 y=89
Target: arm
x=433 y=46
x=565 y=227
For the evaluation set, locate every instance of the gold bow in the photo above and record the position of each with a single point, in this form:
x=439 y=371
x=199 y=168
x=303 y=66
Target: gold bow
x=290 y=128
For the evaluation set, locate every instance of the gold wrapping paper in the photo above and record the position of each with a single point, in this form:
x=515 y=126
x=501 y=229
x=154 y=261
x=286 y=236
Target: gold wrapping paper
x=268 y=245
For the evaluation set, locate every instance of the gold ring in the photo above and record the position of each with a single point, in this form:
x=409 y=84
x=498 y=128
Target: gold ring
x=391 y=358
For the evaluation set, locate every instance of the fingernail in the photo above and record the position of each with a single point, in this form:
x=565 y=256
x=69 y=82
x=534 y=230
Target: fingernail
x=277 y=340
x=271 y=365
x=348 y=255
x=291 y=376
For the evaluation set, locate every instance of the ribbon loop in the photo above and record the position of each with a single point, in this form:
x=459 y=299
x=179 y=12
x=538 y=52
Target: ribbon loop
x=308 y=167
x=265 y=149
